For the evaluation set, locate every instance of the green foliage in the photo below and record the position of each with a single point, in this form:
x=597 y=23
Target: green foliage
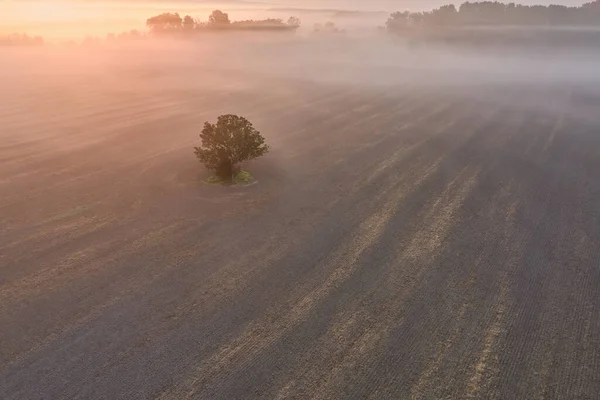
x=229 y=142
x=243 y=177
x=214 y=180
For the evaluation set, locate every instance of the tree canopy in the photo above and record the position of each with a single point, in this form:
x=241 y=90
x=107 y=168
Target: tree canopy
x=218 y=17
x=169 y=23
x=294 y=21
x=487 y=13
x=230 y=141
x=165 y=22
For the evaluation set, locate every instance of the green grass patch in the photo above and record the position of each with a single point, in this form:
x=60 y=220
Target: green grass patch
x=242 y=178
x=214 y=180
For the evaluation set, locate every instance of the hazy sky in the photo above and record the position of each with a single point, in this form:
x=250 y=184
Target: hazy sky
x=386 y=5
x=68 y=18
x=397 y=4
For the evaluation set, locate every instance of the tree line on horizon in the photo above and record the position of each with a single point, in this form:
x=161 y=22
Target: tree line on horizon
x=167 y=23
x=21 y=39
x=469 y=14
x=494 y=13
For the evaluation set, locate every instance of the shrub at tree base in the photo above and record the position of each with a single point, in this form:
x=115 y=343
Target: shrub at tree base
x=240 y=178
x=227 y=143
x=243 y=177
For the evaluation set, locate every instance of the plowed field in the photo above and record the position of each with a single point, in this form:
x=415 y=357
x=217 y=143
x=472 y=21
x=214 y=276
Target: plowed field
x=402 y=242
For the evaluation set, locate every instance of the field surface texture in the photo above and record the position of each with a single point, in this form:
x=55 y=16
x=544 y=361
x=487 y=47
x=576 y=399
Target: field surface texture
x=407 y=241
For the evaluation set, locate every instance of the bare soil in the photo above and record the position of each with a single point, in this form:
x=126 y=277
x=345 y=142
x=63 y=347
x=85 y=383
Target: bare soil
x=402 y=242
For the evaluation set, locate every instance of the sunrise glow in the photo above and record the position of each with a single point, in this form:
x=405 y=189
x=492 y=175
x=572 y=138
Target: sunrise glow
x=73 y=19
x=299 y=199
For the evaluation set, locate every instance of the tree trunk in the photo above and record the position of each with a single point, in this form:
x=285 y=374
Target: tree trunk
x=226 y=170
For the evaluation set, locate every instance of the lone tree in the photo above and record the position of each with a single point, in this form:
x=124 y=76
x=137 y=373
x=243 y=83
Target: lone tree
x=227 y=143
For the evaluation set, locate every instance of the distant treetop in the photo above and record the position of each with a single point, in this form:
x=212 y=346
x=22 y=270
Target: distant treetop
x=219 y=17
x=488 y=13
x=18 y=39
x=165 y=22
x=173 y=23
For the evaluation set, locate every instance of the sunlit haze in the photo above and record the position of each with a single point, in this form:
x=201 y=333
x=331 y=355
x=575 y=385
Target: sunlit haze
x=63 y=19
x=299 y=199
